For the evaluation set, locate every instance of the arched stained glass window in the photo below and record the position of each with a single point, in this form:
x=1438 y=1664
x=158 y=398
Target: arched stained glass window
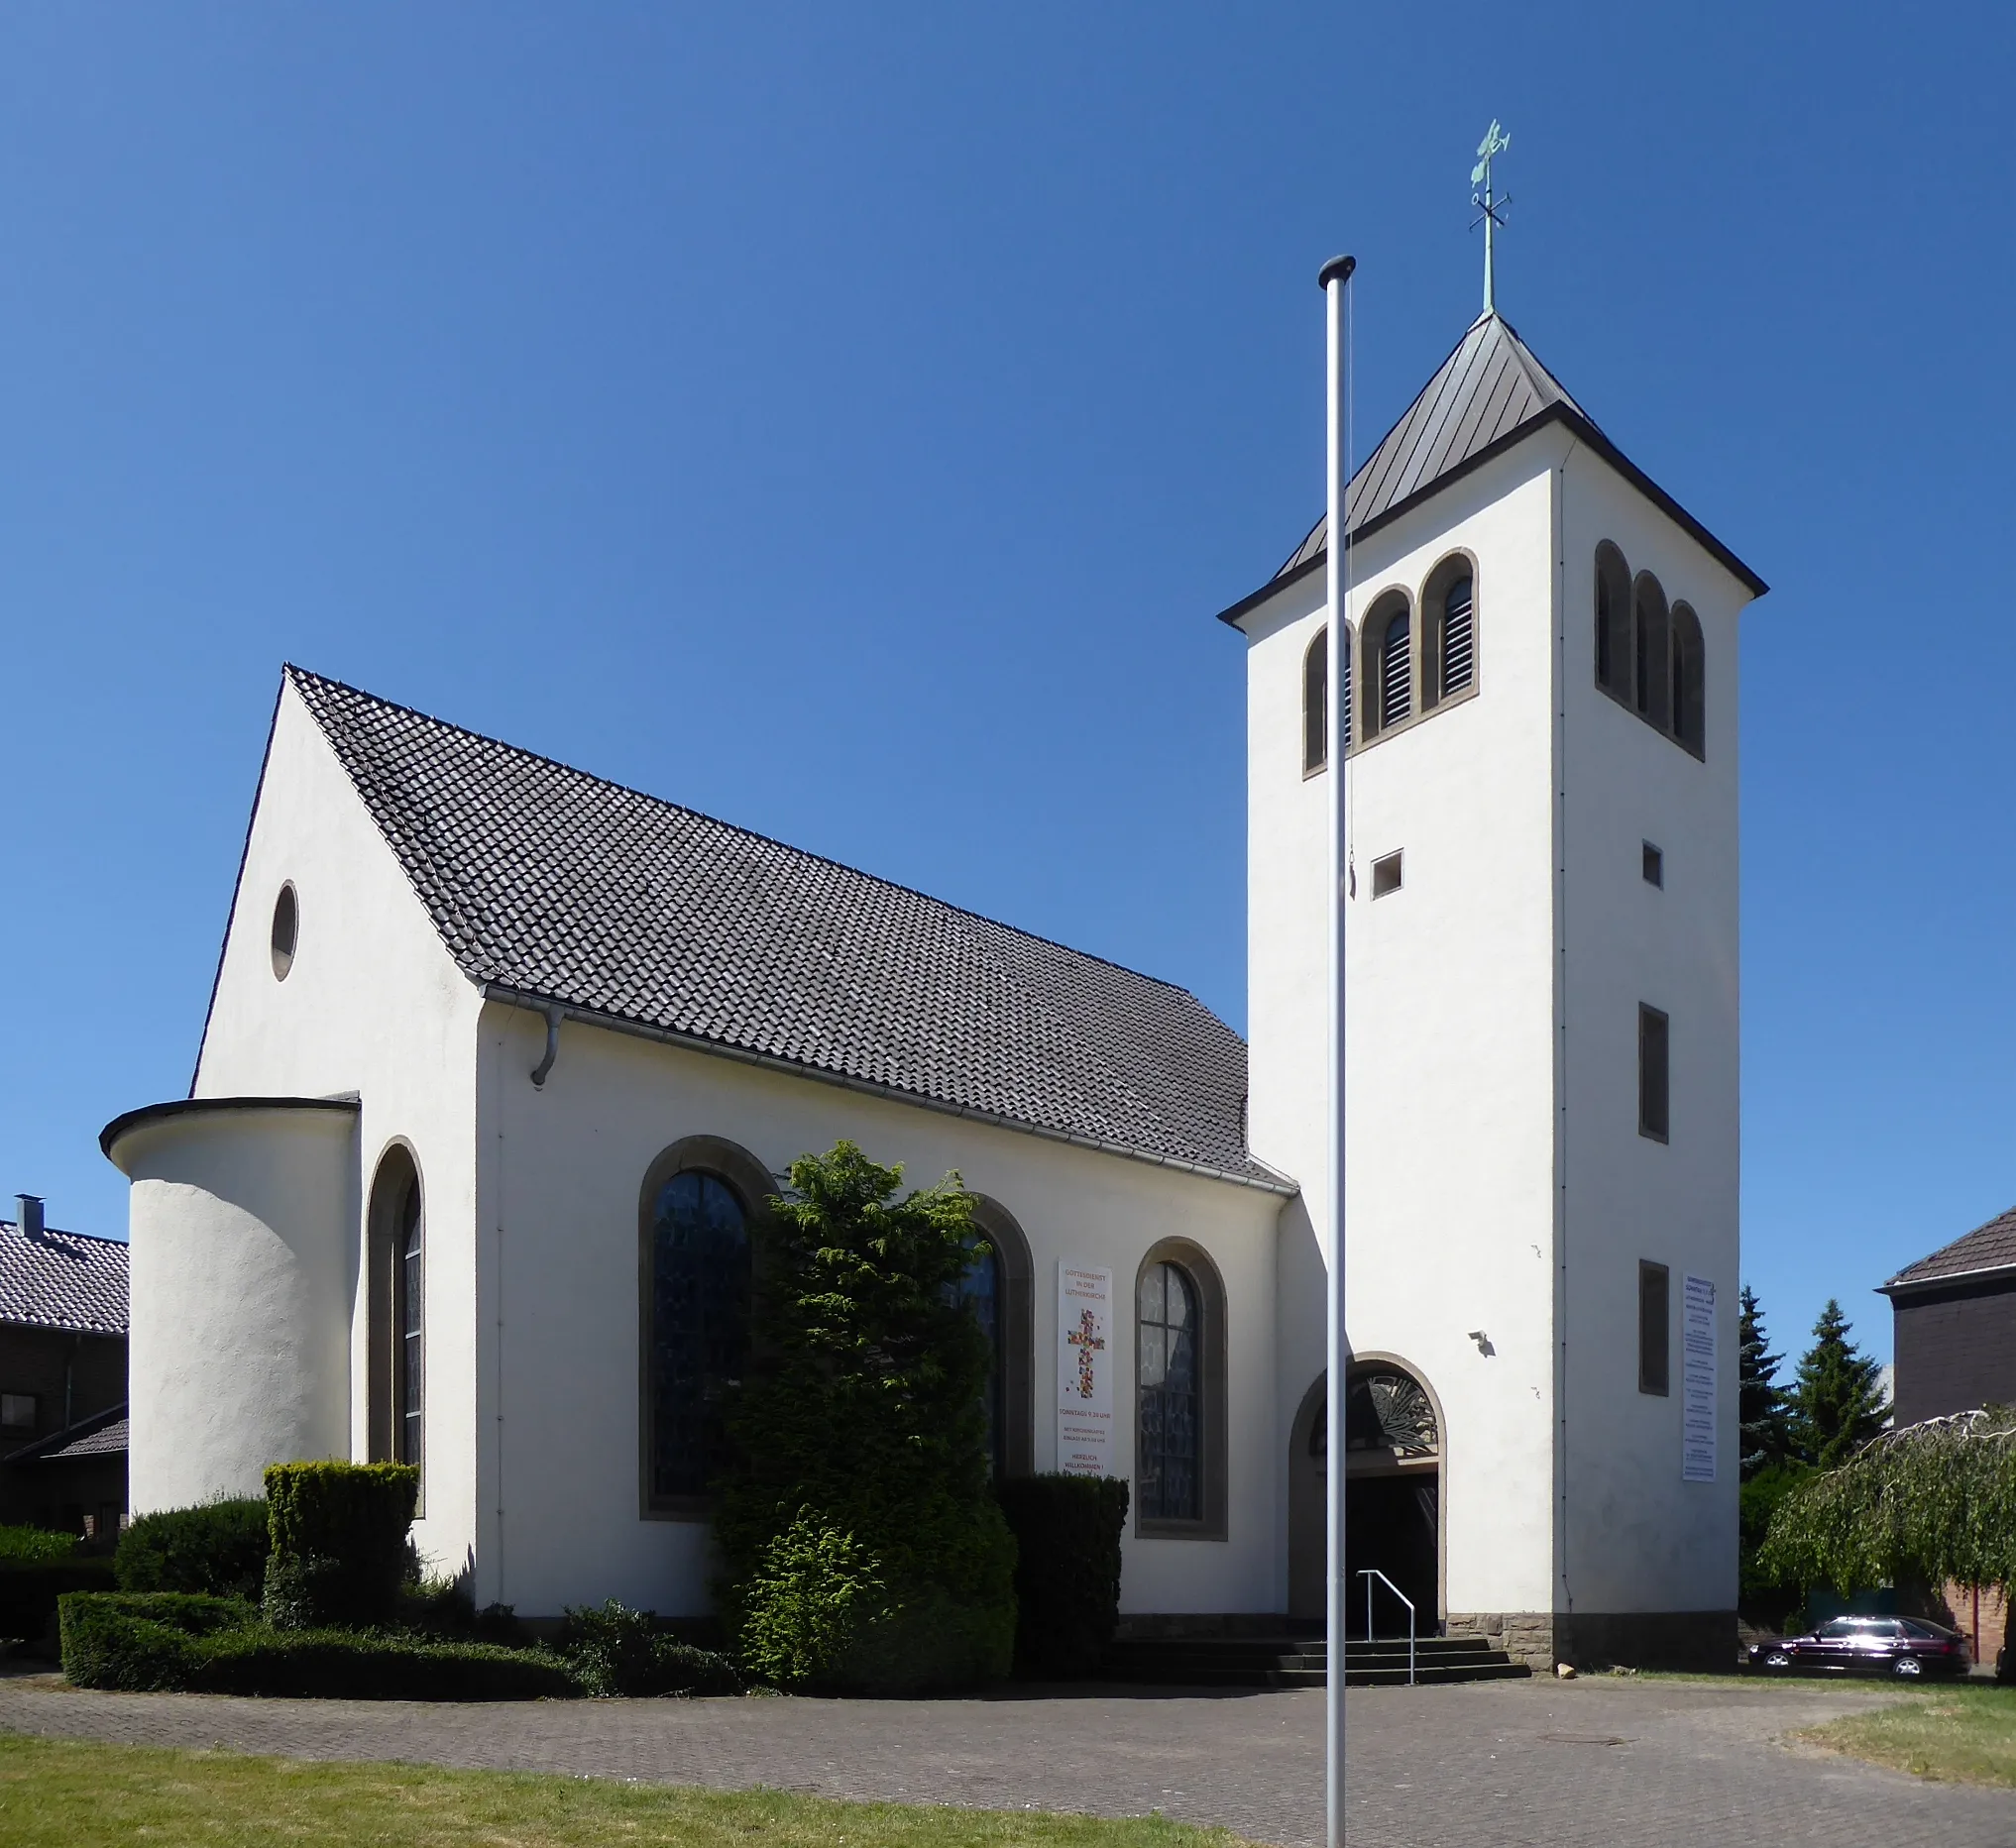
x=980 y=1290
x=699 y=1328
x=1170 y=1412
x=410 y=1290
x=1459 y=637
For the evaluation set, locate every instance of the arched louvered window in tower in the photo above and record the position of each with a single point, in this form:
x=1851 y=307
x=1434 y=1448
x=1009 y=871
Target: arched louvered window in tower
x=1316 y=704
x=1689 y=716
x=1459 y=635
x=1612 y=622
x=1394 y=685
x=1651 y=652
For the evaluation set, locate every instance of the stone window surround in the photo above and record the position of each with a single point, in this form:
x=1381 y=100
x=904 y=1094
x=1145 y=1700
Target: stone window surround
x=1195 y=1262
x=1425 y=657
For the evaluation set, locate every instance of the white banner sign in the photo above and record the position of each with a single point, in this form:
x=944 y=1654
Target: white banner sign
x=1696 y=1391
x=1084 y=1368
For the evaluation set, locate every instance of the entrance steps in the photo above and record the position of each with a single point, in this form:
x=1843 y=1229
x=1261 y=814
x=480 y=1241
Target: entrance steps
x=1303 y=1661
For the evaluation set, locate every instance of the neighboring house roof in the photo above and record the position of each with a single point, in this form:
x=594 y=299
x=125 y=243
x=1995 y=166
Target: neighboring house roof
x=103 y=1434
x=1987 y=1248
x=553 y=886
x=1489 y=393
x=63 y=1280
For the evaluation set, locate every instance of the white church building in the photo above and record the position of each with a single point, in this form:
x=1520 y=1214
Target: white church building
x=502 y=1061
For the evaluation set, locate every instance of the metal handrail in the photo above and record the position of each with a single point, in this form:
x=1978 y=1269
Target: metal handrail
x=1369 y=1573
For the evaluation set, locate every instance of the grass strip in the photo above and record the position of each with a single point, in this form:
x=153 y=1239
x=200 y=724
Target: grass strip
x=57 y=1793
x=1954 y=1734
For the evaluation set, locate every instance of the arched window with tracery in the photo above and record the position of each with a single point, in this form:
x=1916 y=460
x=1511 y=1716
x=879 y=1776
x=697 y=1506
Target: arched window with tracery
x=1316 y=704
x=982 y=1290
x=1169 y=1414
x=395 y=1376
x=410 y=1293
x=698 y=1265
x=1689 y=674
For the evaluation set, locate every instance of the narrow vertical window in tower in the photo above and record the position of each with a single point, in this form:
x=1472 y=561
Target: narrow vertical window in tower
x=1316 y=704
x=1651 y=652
x=1459 y=649
x=1395 y=687
x=1613 y=622
x=1689 y=726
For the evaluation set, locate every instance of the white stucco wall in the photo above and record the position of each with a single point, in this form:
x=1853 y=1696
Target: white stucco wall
x=1450 y=1009
x=559 y=1186
x=242 y=1274
x=1637 y=1537
x=373 y=1005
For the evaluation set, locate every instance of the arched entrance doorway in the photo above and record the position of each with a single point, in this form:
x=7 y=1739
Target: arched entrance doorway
x=1393 y=1458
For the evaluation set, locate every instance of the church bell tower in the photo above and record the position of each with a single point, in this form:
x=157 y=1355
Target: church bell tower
x=1538 y=736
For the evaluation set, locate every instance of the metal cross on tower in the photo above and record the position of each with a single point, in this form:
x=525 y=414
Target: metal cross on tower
x=1489 y=206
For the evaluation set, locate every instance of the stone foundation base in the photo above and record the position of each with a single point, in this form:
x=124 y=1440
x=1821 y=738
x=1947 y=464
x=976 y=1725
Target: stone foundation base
x=1699 y=1640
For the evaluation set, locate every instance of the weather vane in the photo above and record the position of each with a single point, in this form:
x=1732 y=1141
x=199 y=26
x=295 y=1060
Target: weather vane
x=1490 y=207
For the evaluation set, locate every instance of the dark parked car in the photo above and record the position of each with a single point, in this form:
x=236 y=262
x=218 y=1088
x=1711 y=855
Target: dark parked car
x=1907 y=1647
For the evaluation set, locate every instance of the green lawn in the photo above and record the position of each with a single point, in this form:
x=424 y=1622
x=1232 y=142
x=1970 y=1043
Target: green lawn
x=56 y=1793
x=1958 y=1734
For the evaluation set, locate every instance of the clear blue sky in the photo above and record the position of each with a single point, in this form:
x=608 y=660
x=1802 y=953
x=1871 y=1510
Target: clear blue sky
x=849 y=426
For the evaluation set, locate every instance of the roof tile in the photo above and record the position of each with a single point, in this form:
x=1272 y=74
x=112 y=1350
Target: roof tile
x=556 y=884
x=62 y=1279
x=1987 y=1248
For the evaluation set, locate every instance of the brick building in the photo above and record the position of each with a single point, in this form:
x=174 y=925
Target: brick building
x=63 y=1376
x=1953 y=1317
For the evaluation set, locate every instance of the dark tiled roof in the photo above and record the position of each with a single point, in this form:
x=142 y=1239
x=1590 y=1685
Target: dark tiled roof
x=554 y=884
x=1987 y=1248
x=1487 y=388
x=62 y=1279
x=1488 y=393
x=103 y=1434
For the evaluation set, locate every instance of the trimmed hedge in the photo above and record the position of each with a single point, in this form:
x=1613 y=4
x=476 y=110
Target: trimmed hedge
x=137 y=1640
x=218 y=1548
x=29 y=1592
x=338 y=1543
x=215 y=1646
x=1068 y=1531
x=36 y=1546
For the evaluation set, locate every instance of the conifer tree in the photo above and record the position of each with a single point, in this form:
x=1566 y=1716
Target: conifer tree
x=1838 y=1402
x=1760 y=1400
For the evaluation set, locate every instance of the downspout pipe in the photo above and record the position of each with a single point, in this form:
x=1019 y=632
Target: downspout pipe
x=554 y=1015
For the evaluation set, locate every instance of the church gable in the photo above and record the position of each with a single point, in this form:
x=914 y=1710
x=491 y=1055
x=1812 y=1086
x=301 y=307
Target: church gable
x=550 y=886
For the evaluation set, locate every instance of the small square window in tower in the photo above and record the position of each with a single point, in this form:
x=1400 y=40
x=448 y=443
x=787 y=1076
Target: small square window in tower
x=1386 y=875
x=1654 y=866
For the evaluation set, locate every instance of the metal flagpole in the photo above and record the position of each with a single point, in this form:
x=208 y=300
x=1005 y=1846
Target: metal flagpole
x=1336 y=274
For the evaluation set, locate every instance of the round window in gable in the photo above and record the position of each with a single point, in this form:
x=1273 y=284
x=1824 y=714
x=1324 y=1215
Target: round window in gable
x=286 y=923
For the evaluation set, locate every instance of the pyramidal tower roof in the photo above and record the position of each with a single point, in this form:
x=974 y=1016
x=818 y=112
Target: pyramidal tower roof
x=1488 y=393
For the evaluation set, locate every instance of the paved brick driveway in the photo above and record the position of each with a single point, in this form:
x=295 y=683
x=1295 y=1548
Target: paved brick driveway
x=1625 y=1765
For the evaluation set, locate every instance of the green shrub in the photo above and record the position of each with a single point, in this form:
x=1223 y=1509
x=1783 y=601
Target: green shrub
x=805 y=1607
x=218 y=1646
x=141 y=1641
x=218 y=1548
x=1068 y=1531
x=865 y=1415
x=35 y=1546
x=29 y=1592
x=614 y=1650
x=338 y=1543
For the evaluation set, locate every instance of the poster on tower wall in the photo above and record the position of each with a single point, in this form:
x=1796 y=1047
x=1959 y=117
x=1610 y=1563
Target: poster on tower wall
x=1084 y=1368
x=1696 y=1382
